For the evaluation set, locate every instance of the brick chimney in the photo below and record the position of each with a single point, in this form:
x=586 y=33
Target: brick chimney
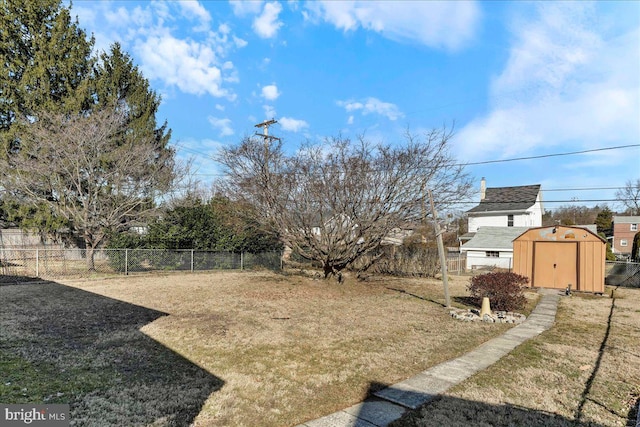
x=483 y=188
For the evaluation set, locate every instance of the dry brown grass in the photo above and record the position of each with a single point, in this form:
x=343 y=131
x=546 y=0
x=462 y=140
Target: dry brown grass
x=583 y=371
x=291 y=348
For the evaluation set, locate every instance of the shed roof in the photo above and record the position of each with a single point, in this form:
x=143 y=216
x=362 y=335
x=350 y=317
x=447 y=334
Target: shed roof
x=508 y=199
x=560 y=232
x=488 y=238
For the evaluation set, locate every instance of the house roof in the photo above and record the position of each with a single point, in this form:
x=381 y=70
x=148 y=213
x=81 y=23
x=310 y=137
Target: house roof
x=494 y=238
x=508 y=199
x=467 y=236
x=591 y=227
x=626 y=219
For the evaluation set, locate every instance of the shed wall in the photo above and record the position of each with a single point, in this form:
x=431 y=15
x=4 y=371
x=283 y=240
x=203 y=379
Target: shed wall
x=586 y=266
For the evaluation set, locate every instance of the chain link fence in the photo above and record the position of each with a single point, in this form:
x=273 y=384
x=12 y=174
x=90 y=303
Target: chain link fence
x=53 y=263
x=622 y=273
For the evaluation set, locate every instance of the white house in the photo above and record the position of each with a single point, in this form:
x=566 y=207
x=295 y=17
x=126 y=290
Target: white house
x=502 y=215
x=507 y=207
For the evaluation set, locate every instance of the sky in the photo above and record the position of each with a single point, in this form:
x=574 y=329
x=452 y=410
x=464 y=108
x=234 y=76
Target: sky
x=513 y=79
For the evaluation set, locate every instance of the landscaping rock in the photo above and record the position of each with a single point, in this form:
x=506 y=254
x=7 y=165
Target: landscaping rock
x=496 y=317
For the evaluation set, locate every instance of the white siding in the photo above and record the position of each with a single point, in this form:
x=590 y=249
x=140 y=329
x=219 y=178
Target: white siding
x=476 y=222
x=535 y=213
x=531 y=218
x=477 y=259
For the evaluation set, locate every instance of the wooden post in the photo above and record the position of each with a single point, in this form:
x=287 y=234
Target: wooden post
x=443 y=261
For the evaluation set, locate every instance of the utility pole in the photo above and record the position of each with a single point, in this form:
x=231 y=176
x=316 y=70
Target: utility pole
x=266 y=175
x=443 y=261
x=265 y=126
x=267 y=142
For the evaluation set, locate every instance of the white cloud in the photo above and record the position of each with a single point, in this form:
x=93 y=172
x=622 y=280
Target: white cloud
x=566 y=83
x=194 y=10
x=186 y=64
x=240 y=43
x=267 y=25
x=440 y=24
x=350 y=120
x=548 y=52
x=223 y=125
x=219 y=107
x=194 y=63
x=269 y=111
x=270 y=92
x=244 y=7
x=293 y=125
x=373 y=106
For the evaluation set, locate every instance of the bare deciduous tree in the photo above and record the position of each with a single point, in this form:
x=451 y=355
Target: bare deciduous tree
x=85 y=171
x=629 y=196
x=337 y=201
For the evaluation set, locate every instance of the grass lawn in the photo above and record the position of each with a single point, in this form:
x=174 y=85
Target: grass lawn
x=583 y=371
x=221 y=349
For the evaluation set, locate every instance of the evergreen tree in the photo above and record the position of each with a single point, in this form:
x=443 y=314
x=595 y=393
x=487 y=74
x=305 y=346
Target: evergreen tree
x=46 y=59
x=51 y=83
x=117 y=81
x=215 y=225
x=604 y=221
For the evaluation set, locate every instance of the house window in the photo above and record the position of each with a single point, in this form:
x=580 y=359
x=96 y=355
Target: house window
x=623 y=242
x=492 y=254
x=509 y=220
x=634 y=227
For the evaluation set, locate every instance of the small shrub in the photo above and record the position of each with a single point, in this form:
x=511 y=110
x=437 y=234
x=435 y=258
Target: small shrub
x=504 y=289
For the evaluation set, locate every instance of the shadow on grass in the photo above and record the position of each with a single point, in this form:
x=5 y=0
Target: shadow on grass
x=59 y=344
x=587 y=390
x=453 y=412
x=467 y=301
x=7 y=279
x=402 y=291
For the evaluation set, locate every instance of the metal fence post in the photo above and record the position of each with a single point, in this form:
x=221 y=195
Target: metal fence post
x=126 y=262
x=192 y=260
x=37 y=262
x=242 y=260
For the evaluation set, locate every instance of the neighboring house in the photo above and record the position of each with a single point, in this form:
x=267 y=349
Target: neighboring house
x=343 y=225
x=624 y=230
x=491 y=247
x=397 y=235
x=336 y=225
x=506 y=207
x=17 y=238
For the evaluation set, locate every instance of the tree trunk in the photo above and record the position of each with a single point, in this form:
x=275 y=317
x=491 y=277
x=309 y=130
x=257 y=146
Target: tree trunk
x=90 y=252
x=91 y=242
x=330 y=270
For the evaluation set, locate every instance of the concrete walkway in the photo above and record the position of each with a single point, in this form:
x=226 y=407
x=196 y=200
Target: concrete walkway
x=391 y=403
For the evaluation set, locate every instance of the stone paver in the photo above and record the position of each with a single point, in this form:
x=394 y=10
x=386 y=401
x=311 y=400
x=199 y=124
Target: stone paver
x=390 y=403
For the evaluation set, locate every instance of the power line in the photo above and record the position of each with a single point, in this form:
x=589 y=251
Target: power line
x=543 y=201
x=583 y=189
x=542 y=156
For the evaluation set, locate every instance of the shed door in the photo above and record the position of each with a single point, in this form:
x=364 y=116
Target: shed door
x=555 y=264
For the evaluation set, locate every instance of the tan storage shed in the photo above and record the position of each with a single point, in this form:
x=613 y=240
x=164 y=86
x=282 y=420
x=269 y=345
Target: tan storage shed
x=554 y=257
